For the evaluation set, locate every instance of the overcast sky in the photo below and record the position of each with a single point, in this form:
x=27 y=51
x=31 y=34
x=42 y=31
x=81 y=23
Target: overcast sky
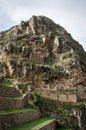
x=71 y=14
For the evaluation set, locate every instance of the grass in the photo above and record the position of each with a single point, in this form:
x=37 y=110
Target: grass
x=12 y=84
x=6 y=84
x=34 y=125
x=3 y=111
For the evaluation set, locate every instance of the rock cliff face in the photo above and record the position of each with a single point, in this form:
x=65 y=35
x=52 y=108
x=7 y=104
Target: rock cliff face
x=44 y=54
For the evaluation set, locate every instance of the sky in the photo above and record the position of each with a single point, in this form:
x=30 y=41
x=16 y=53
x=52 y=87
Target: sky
x=71 y=14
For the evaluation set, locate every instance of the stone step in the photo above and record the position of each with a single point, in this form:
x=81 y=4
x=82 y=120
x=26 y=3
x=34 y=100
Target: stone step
x=8 y=102
x=9 y=92
x=43 y=123
x=17 y=117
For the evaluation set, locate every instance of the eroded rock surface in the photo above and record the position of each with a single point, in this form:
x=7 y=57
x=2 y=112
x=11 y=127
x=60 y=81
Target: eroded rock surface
x=45 y=54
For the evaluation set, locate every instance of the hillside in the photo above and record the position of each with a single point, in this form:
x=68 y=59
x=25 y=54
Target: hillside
x=44 y=55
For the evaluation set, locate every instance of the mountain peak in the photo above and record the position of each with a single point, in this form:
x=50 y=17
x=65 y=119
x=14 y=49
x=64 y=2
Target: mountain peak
x=43 y=53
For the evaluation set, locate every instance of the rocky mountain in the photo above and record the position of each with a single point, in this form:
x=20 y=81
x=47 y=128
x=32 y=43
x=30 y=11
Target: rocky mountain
x=43 y=54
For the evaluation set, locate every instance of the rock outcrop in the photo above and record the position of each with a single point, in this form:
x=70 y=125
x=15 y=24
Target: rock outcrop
x=44 y=54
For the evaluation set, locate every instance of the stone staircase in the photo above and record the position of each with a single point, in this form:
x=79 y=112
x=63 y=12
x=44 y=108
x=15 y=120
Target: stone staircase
x=14 y=113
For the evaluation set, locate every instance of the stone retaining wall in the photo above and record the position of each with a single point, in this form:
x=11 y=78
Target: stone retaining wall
x=6 y=102
x=48 y=126
x=17 y=118
x=59 y=96
x=9 y=92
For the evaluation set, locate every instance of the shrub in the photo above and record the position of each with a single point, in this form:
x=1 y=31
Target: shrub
x=62 y=111
x=35 y=97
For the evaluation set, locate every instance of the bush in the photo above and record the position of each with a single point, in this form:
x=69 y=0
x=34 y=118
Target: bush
x=36 y=97
x=62 y=111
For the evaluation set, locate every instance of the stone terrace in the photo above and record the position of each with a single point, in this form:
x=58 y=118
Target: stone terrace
x=13 y=111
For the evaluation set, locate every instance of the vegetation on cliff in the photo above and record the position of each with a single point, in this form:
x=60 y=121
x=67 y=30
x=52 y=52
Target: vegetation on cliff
x=40 y=55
